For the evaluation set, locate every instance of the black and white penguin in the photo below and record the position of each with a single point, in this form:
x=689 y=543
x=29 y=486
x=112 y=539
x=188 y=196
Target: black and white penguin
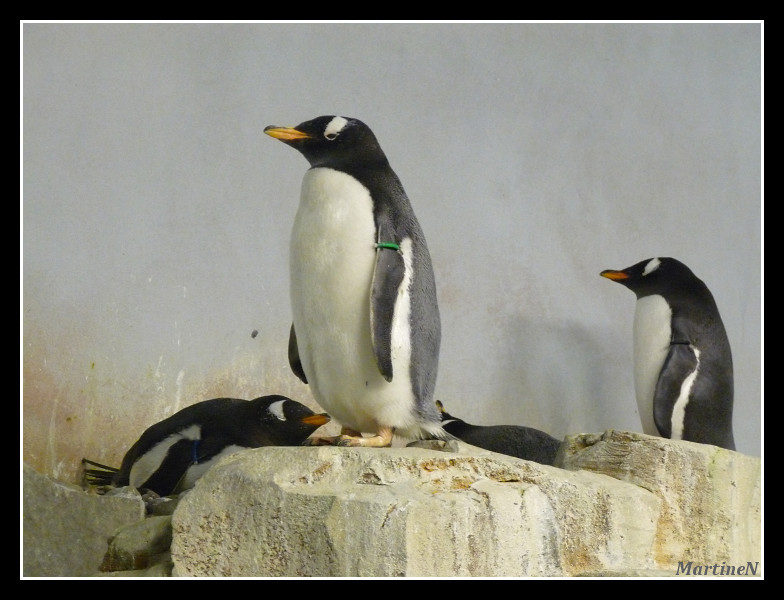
x=366 y=331
x=513 y=440
x=682 y=360
x=171 y=455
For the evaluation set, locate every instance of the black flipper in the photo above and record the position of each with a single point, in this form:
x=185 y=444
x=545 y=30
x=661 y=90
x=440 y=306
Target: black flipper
x=294 y=360
x=387 y=277
x=680 y=361
x=165 y=479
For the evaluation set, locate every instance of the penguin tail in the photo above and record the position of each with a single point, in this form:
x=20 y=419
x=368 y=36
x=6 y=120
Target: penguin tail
x=100 y=477
x=431 y=432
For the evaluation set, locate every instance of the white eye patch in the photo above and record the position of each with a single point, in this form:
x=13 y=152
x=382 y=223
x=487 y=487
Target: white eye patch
x=334 y=127
x=652 y=265
x=276 y=408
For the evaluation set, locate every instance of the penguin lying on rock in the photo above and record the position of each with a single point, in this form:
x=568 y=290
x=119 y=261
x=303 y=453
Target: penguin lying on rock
x=514 y=440
x=171 y=455
x=682 y=360
x=366 y=329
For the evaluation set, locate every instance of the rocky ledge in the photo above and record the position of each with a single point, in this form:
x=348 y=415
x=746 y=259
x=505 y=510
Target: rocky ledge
x=617 y=504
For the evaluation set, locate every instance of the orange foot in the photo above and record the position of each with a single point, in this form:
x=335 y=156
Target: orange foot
x=353 y=438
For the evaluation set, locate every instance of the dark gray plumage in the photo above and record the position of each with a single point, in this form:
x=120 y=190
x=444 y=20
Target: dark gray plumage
x=366 y=331
x=682 y=359
x=513 y=440
x=172 y=454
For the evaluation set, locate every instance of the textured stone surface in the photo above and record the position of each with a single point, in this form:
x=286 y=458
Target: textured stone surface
x=711 y=497
x=355 y=512
x=140 y=545
x=65 y=530
x=624 y=505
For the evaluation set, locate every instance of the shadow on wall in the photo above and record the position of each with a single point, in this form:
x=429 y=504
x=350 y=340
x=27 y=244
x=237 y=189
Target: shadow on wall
x=561 y=378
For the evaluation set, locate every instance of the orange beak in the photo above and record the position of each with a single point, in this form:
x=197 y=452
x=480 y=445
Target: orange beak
x=285 y=133
x=614 y=275
x=317 y=420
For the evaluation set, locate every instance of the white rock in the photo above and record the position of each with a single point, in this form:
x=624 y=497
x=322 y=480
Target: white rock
x=367 y=512
x=711 y=497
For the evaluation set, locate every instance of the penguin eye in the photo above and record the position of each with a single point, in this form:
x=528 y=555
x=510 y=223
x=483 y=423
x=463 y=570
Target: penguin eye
x=330 y=135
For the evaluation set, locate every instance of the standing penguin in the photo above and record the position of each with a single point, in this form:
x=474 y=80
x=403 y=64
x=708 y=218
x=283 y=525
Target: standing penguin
x=513 y=440
x=682 y=360
x=171 y=455
x=366 y=331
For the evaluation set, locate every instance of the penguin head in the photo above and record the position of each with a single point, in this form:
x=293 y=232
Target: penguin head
x=653 y=276
x=446 y=418
x=331 y=141
x=285 y=422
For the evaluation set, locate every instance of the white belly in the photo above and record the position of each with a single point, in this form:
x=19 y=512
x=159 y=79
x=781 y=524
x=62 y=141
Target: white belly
x=652 y=336
x=332 y=260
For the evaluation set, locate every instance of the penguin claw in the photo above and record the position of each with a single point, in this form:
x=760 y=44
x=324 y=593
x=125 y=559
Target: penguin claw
x=349 y=438
x=344 y=441
x=382 y=440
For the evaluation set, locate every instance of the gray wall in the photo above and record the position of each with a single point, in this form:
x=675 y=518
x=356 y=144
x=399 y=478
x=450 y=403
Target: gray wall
x=156 y=213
